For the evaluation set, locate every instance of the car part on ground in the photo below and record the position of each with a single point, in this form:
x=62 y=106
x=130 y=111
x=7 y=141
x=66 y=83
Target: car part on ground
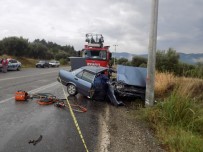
x=21 y=95
x=42 y=64
x=34 y=142
x=47 y=99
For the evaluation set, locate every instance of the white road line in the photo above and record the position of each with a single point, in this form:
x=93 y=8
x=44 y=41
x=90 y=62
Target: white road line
x=25 y=76
x=34 y=91
x=104 y=135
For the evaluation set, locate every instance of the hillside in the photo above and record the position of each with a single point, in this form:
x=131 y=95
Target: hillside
x=191 y=58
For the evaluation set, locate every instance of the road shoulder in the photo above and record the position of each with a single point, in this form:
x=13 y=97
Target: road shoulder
x=128 y=133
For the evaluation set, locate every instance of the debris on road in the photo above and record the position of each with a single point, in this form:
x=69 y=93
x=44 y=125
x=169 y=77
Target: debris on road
x=47 y=99
x=34 y=142
x=21 y=95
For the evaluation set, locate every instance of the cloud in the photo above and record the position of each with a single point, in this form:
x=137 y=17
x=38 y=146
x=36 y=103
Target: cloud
x=125 y=23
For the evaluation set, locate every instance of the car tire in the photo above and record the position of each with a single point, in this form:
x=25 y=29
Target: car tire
x=71 y=89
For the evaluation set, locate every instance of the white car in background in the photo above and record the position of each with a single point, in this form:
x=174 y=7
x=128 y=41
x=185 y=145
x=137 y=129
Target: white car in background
x=54 y=63
x=14 y=65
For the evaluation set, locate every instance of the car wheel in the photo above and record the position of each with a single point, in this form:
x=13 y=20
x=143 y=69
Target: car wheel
x=71 y=89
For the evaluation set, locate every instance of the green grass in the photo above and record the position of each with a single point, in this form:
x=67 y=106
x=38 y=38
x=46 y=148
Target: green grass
x=178 y=123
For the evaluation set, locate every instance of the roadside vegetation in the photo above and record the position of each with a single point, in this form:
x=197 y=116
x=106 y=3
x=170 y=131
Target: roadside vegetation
x=177 y=116
x=167 y=61
x=21 y=49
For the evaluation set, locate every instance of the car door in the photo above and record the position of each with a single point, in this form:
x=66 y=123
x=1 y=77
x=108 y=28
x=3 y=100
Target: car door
x=15 y=64
x=10 y=65
x=84 y=80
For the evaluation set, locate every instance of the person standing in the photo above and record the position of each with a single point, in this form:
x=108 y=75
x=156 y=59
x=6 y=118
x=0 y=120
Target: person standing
x=4 y=65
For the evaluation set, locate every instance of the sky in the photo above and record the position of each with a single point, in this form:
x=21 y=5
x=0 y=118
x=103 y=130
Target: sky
x=125 y=23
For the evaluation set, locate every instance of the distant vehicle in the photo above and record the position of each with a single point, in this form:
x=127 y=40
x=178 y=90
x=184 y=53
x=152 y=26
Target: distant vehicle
x=14 y=65
x=42 y=64
x=54 y=63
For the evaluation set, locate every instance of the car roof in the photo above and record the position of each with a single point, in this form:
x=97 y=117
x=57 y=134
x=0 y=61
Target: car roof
x=94 y=69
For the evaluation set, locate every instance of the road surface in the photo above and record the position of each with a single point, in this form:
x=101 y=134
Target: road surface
x=24 y=121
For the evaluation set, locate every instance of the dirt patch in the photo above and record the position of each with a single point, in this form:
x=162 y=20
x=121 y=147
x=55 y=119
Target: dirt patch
x=128 y=133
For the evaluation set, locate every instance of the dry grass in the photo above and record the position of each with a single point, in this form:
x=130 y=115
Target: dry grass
x=190 y=87
x=27 y=62
x=164 y=84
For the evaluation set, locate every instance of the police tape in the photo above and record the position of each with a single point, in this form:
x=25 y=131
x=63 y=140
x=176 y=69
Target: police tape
x=74 y=118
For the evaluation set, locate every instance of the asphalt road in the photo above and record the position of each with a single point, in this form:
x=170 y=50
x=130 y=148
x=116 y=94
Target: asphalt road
x=24 y=121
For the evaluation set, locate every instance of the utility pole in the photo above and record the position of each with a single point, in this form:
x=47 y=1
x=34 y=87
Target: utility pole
x=115 y=54
x=149 y=100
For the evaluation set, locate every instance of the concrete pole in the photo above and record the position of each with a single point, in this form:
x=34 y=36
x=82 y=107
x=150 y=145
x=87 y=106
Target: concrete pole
x=149 y=99
x=115 y=54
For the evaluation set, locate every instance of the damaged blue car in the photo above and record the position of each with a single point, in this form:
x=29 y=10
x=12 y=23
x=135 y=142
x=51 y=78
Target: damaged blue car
x=92 y=81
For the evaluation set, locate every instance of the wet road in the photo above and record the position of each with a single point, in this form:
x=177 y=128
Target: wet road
x=24 y=121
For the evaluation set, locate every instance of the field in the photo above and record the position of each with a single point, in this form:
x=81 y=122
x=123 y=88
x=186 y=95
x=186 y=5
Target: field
x=177 y=117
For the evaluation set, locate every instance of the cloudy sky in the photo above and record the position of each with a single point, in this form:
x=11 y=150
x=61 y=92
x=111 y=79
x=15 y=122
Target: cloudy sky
x=122 y=22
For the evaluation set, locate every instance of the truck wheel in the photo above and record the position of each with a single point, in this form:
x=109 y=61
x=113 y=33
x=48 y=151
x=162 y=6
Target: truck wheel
x=71 y=89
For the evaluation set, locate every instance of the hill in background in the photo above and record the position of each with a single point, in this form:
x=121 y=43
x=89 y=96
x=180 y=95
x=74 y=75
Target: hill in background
x=191 y=58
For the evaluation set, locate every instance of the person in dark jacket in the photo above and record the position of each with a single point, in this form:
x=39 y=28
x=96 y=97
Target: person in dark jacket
x=103 y=89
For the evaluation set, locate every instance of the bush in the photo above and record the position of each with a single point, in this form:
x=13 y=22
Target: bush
x=178 y=122
x=63 y=61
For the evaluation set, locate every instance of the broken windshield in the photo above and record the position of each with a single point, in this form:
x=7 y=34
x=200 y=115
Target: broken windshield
x=95 y=54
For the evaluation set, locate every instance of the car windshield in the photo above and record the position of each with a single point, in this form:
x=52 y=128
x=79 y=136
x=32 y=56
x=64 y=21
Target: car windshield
x=95 y=54
x=53 y=61
x=41 y=61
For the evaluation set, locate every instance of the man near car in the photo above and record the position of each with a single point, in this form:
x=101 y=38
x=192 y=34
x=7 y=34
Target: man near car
x=103 y=88
x=4 y=63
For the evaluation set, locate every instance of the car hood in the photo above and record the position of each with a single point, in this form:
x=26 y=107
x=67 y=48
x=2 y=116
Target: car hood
x=132 y=75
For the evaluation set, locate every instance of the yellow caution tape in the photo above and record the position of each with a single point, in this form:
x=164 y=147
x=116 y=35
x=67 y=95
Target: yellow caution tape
x=74 y=119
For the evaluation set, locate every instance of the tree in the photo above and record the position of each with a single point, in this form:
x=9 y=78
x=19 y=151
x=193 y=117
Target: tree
x=137 y=61
x=167 y=61
x=122 y=61
x=38 y=50
x=14 y=46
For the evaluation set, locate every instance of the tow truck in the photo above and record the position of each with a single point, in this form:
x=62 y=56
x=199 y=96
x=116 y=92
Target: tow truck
x=94 y=53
